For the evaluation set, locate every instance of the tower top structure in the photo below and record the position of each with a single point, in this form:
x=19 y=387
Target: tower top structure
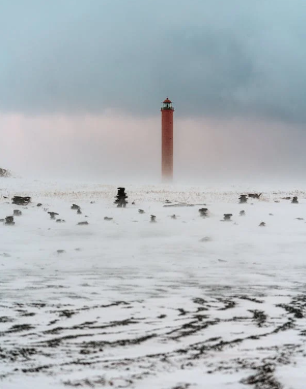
x=167 y=104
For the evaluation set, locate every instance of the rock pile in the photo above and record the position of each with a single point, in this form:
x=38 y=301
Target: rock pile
x=121 y=198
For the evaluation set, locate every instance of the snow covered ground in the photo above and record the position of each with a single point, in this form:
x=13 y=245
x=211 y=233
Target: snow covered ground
x=182 y=303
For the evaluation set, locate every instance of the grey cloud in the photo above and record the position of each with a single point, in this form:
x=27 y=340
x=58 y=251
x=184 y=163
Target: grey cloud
x=212 y=57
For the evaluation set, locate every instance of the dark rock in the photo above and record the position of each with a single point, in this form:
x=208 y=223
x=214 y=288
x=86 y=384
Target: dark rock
x=262 y=224
x=295 y=200
x=255 y=195
x=60 y=251
x=39 y=204
x=19 y=200
x=17 y=212
x=79 y=212
x=227 y=216
x=242 y=213
x=173 y=216
x=141 y=211
x=4 y=173
x=153 y=218
x=75 y=206
x=60 y=221
x=108 y=218
x=83 y=223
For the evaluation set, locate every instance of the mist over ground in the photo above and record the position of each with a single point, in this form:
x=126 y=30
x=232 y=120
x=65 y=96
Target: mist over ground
x=81 y=86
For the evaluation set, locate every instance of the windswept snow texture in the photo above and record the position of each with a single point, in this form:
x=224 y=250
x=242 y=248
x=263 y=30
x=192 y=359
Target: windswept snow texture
x=185 y=302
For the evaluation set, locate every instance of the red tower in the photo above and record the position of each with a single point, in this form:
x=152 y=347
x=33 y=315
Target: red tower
x=167 y=140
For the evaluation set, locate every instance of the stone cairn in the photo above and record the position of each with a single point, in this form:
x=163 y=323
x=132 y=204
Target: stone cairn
x=203 y=212
x=9 y=221
x=295 y=200
x=4 y=173
x=243 y=199
x=19 y=200
x=52 y=215
x=121 y=198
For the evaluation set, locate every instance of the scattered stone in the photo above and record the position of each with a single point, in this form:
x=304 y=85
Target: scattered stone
x=295 y=200
x=203 y=212
x=153 y=218
x=39 y=204
x=243 y=199
x=75 y=206
x=17 y=212
x=83 y=223
x=227 y=216
x=206 y=239
x=242 y=213
x=53 y=214
x=19 y=200
x=262 y=224
x=141 y=211
x=108 y=218
x=121 y=198
x=60 y=221
x=9 y=220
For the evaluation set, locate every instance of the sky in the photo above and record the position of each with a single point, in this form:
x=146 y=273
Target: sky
x=81 y=83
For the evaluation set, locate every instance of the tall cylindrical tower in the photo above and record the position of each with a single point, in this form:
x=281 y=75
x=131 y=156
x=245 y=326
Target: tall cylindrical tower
x=167 y=140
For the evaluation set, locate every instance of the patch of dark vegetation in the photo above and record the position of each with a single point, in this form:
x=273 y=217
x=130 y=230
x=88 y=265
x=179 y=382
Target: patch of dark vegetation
x=36 y=369
x=92 y=383
x=121 y=342
x=19 y=200
x=6 y=319
x=254 y=300
x=28 y=314
x=296 y=311
x=191 y=328
x=66 y=313
x=259 y=317
x=264 y=378
x=17 y=328
x=228 y=304
x=16 y=354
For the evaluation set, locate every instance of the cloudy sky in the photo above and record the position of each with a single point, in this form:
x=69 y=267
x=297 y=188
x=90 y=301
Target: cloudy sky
x=81 y=83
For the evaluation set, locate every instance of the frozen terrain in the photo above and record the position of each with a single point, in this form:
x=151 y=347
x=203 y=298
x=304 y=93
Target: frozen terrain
x=182 y=303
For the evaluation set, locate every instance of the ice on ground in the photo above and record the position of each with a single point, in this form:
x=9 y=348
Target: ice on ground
x=190 y=302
